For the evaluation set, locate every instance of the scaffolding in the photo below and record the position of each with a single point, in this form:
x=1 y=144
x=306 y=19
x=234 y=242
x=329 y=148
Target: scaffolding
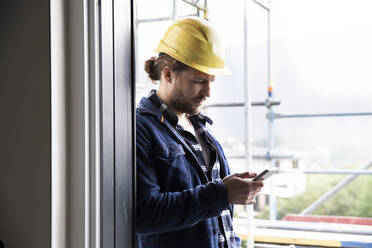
x=271 y=116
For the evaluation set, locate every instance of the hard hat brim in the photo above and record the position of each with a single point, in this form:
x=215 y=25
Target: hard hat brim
x=224 y=71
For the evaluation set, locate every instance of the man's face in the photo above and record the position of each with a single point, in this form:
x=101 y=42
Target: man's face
x=190 y=88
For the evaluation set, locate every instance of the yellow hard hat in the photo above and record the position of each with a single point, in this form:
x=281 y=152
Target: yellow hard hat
x=194 y=42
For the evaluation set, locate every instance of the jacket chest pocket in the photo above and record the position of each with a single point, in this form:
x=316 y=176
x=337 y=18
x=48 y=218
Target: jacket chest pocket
x=173 y=167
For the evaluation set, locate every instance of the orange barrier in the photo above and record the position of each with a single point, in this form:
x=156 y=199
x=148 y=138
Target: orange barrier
x=330 y=219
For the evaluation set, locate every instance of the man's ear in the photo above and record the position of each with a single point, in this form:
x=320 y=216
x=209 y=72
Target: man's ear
x=167 y=74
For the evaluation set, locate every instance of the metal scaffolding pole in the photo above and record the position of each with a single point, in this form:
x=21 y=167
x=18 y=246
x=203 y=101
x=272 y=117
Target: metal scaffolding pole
x=333 y=191
x=330 y=172
x=310 y=226
x=266 y=156
x=281 y=116
x=242 y=104
x=269 y=99
x=269 y=105
x=248 y=126
x=315 y=227
x=258 y=245
x=174 y=10
x=199 y=7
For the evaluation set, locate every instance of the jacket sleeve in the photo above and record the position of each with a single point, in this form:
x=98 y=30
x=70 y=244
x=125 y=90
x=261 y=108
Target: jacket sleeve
x=158 y=211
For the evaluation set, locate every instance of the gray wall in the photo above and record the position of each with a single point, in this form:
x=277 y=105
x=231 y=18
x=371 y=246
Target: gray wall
x=25 y=150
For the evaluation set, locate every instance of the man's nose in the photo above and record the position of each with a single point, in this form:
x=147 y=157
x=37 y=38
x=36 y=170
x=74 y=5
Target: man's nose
x=207 y=89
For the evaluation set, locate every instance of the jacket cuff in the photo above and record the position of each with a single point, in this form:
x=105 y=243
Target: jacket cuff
x=214 y=197
x=223 y=194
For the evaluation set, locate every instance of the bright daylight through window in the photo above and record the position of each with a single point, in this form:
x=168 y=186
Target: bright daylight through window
x=303 y=67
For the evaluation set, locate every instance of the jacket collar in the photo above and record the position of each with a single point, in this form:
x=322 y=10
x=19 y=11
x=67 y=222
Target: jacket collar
x=146 y=106
x=163 y=108
x=153 y=105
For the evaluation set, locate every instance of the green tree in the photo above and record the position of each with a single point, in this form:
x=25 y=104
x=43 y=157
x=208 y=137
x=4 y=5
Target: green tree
x=353 y=200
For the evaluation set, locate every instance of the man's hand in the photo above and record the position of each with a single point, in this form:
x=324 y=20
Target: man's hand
x=240 y=189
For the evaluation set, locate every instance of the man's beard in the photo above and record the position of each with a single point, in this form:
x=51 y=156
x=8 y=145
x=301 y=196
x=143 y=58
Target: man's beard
x=185 y=107
x=182 y=105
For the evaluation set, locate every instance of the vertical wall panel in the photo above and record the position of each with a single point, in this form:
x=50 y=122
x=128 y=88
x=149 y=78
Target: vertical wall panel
x=25 y=105
x=107 y=126
x=124 y=123
x=117 y=123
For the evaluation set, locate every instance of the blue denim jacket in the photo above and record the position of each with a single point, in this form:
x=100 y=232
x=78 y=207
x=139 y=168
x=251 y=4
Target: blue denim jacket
x=176 y=204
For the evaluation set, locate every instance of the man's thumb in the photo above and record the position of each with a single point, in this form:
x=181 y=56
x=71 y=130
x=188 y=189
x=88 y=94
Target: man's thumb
x=246 y=174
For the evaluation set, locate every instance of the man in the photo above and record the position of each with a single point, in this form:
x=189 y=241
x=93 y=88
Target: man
x=184 y=190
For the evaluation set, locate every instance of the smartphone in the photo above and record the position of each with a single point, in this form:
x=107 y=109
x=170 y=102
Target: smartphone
x=265 y=174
